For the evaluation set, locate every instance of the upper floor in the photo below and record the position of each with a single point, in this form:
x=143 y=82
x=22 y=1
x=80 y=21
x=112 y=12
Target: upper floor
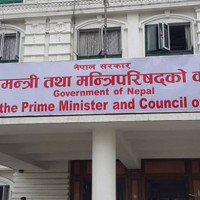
x=37 y=31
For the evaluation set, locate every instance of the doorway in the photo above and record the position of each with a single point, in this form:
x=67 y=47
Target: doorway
x=120 y=189
x=167 y=190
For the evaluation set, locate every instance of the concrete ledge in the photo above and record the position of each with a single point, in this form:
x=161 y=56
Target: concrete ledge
x=101 y=118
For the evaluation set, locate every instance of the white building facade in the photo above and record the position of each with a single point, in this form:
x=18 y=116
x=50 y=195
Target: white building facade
x=74 y=156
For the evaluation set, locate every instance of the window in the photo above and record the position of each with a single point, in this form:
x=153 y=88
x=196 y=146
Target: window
x=10 y=1
x=9 y=47
x=168 y=39
x=4 y=192
x=90 y=43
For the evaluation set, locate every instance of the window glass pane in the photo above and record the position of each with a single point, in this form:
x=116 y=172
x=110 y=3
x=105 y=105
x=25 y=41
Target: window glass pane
x=10 y=1
x=113 y=41
x=188 y=37
x=160 y=35
x=178 y=37
x=17 y=45
x=6 y=193
x=1 y=46
x=152 y=37
x=166 y=32
x=9 y=47
x=89 y=42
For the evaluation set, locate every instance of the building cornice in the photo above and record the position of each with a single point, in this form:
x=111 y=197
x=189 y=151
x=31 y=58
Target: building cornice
x=49 y=8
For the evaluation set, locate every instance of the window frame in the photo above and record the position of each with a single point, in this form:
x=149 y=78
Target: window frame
x=165 y=51
x=86 y=30
x=6 y=182
x=162 y=39
x=100 y=55
x=3 y=34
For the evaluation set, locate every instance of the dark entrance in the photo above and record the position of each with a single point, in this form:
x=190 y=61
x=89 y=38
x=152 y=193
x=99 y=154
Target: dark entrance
x=167 y=190
x=120 y=189
x=87 y=190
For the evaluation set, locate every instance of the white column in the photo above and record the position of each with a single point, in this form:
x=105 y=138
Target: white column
x=134 y=36
x=34 y=40
x=104 y=164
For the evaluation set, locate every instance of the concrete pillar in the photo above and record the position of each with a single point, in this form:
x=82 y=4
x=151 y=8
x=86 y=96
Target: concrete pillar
x=134 y=36
x=104 y=164
x=34 y=40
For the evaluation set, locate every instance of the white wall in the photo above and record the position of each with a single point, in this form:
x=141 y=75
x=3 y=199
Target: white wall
x=54 y=38
x=47 y=39
x=7 y=174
